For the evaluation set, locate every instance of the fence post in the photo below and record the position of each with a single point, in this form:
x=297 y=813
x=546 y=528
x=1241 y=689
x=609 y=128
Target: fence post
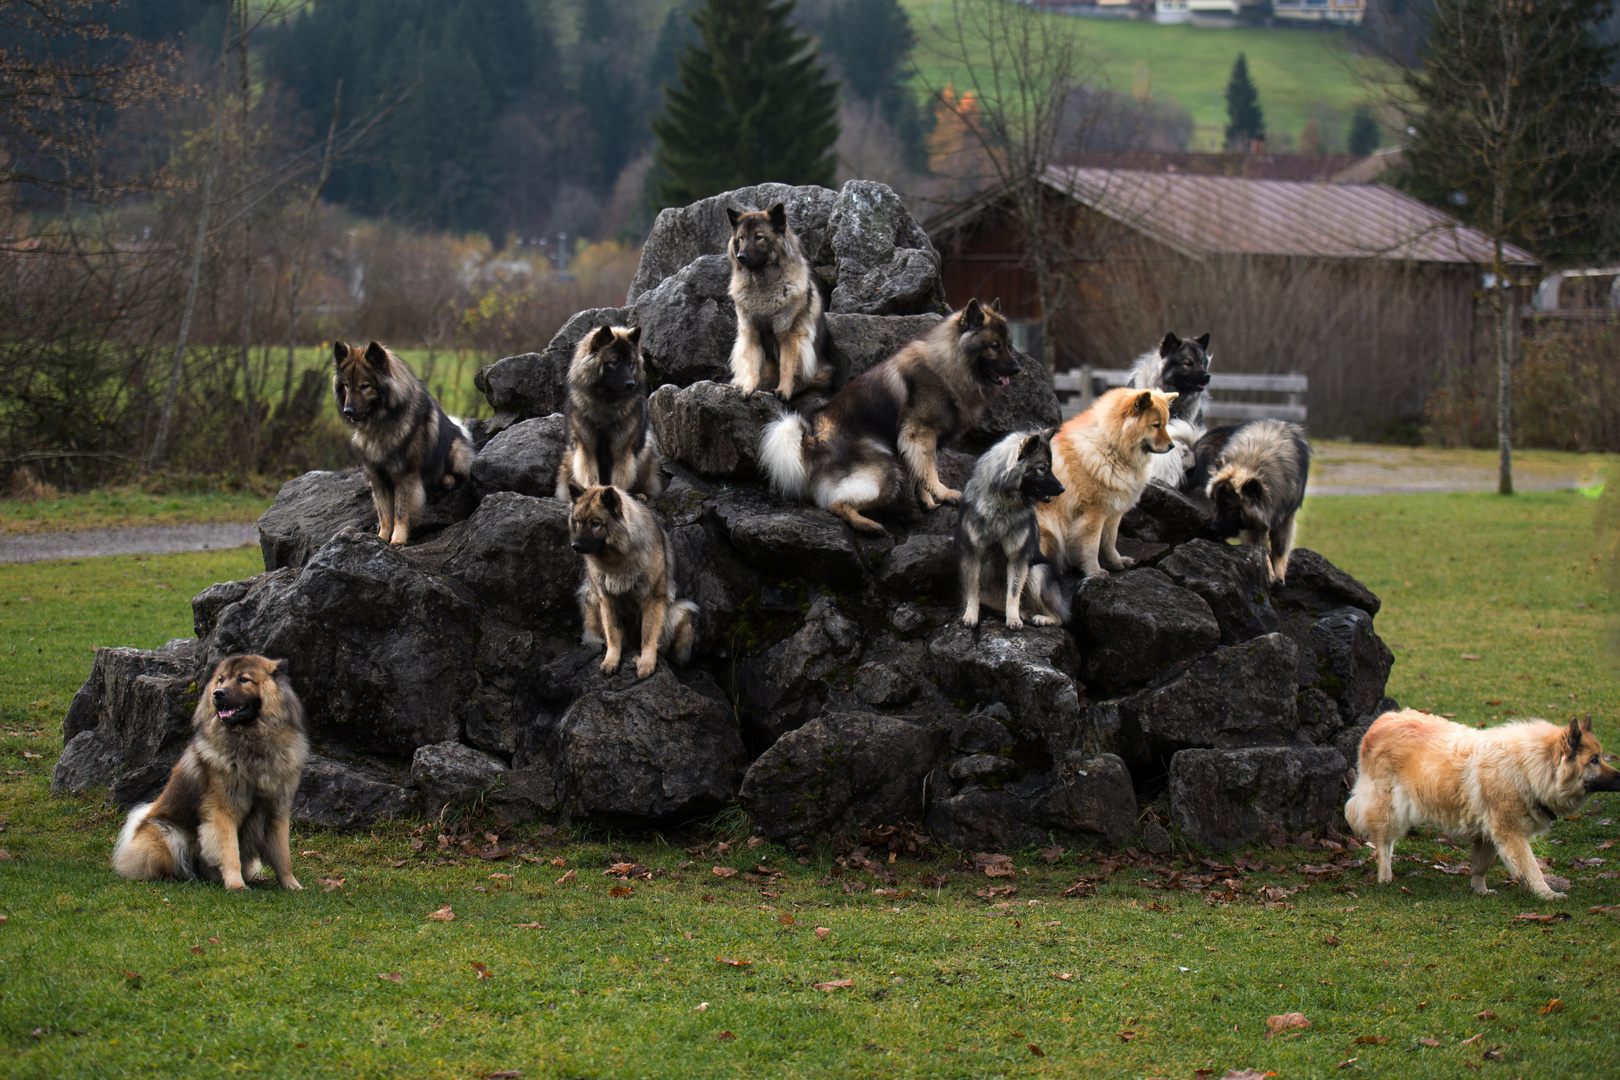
x=1086 y=393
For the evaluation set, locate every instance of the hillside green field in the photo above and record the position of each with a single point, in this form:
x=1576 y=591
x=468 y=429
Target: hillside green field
x=1299 y=72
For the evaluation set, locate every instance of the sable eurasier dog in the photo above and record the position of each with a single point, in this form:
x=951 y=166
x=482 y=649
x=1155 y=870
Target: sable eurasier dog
x=1255 y=475
x=931 y=391
x=405 y=440
x=629 y=578
x=609 y=440
x=1101 y=457
x=998 y=547
x=1497 y=788
x=780 y=329
x=228 y=798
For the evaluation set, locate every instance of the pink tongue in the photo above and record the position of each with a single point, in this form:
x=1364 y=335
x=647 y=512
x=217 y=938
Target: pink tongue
x=1006 y=380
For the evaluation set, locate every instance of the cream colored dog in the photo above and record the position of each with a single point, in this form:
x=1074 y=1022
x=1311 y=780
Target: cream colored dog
x=1498 y=788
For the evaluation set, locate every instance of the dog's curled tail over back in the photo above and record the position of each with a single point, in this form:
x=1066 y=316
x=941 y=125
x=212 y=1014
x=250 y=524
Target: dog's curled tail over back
x=158 y=851
x=782 y=455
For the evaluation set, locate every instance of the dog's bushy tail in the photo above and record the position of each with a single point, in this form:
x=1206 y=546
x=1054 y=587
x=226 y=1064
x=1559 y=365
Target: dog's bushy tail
x=139 y=862
x=1355 y=810
x=782 y=455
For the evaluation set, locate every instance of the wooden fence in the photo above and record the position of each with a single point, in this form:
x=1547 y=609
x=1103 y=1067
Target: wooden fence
x=1084 y=384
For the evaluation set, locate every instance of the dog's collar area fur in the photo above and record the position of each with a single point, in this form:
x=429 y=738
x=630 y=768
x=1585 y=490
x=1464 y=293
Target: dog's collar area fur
x=1545 y=811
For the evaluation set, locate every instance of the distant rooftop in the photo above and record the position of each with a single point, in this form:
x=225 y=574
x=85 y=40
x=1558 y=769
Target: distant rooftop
x=1248 y=166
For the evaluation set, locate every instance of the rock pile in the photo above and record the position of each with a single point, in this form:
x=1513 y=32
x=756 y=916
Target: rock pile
x=831 y=690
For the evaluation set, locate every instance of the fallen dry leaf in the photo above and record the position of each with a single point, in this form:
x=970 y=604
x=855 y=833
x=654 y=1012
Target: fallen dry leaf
x=330 y=883
x=733 y=963
x=1475 y=1039
x=1246 y=1074
x=1469 y=656
x=724 y=872
x=444 y=914
x=1492 y=1055
x=501 y=877
x=1538 y=916
x=1033 y=1049
x=213 y=941
x=1553 y=1006
x=835 y=984
x=1486 y=1015
x=1065 y=976
x=702 y=1006
x=755 y=842
x=1052 y=854
x=1126 y=1036
x=504 y=1074
x=994 y=865
x=1372 y=1040
x=566 y=878
x=26 y=754
x=621 y=890
x=528 y=926
x=559 y=861
x=1604 y=909
x=481 y=970
x=392 y=976
x=1276 y=1025
x=1347 y=1062
x=785 y=919
x=822 y=931
x=198 y=949
x=725 y=1036
x=1429 y=1042
x=1332 y=941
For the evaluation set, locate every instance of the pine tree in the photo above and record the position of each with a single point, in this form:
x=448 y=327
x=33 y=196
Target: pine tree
x=1244 y=120
x=871 y=39
x=752 y=104
x=1364 y=133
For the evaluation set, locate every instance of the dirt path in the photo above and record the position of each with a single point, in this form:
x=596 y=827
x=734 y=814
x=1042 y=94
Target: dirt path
x=142 y=540
x=1356 y=469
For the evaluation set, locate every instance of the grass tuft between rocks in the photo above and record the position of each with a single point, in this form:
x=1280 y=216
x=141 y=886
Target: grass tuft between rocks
x=669 y=969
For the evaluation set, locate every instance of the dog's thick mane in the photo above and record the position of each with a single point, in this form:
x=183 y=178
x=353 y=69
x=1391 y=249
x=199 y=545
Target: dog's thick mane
x=1258 y=452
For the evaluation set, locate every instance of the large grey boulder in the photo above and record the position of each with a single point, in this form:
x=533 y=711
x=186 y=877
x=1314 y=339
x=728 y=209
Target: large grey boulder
x=712 y=428
x=536 y=384
x=1316 y=585
x=839 y=774
x=380 y=652
x=136 y=707
x=860 y=240
x=1223 y=798
x=1088 y=801
x=782 y=688
x=1164 y=515
x=1351 y=662
x=923 y=564
x=857 y=343
x=450 y=774
x=681 y=235
x=522 y=458
x=688 y=323
x=1031 y=671
x=1027 y=404
x=514 y=554
x=1239 y=695
x=311 y=509
x=713 y=576
x=339 y=795
x=661 y=749
x=790 y=541
x=1133 y=625
x=1234 y=581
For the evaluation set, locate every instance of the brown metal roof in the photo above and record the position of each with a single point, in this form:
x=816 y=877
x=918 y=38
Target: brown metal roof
x=1223 y=215
x=1249 y=166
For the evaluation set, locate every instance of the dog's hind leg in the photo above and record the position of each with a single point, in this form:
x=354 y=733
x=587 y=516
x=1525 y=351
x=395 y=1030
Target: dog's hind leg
x=1282 y=545
x=1107 y=553
x=793 y=345
x=409 y=499
x=654 y=610
x=1484 y=855
x=1085 y=537
x=851 y=513
x=1045 y=592
x=970 y=568
x=1521 y=863
x=280 y=853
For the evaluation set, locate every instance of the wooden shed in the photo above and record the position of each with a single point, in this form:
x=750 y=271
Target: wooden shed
x=1364 y=289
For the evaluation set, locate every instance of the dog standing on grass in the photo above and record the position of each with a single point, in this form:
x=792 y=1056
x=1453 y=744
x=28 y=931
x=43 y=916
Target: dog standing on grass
x=998 y=547
x=1254 y=473
x=629 y=579
x=228 y=801
x=781 y=330
x=1101 y=458
x=610 y=442
x=1498 y=788
x=844 y=454
x=405 y=440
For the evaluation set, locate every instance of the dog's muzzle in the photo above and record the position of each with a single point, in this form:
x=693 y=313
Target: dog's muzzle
x=243 y=712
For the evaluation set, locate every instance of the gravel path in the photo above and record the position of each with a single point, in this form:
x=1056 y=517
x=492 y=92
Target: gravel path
x=1341 y=469
x=141 y=540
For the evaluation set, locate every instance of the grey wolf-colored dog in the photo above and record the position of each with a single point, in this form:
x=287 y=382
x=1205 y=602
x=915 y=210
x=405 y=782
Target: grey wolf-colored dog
x=1255 y=474
x=998 y=546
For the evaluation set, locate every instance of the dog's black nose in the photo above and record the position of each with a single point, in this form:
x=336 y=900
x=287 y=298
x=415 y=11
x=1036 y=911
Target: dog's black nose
x=219 y=695
x=578 y=546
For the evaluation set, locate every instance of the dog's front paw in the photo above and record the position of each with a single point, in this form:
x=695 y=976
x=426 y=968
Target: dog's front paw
x=645 y=665
x=1015 y=623
x=1550 y=895
x=292 y=883
x=781 y=395
x=949 y=495
x=1042 y=620
x=235 y=883
x=610 y=663
x=1123 y=562
x=970 y=619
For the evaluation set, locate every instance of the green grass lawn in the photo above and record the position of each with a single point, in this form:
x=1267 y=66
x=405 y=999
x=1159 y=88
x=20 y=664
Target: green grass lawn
x=1296 y=71
x=103 y=977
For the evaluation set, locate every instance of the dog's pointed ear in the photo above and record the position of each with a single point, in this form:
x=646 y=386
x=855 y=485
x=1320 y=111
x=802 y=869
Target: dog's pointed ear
x=1202 y=341
x=995 y=305
x=377 y=356
x=610 y=501
x=972 y=315
x=634 y=336
x=574 y=492
x=1169 y=345
x=1586 y=722
x=1574 y=735
x=733 y=215
x=1253 y=490
x=602 y=338
x=778 y=216
x=278 y=668
x=1030 y=444
x=1142 y=403
x=340 y=352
